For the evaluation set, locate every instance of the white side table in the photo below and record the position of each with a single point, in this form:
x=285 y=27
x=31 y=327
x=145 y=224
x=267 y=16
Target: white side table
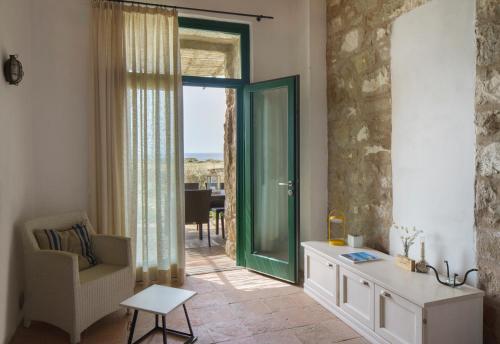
x=159 y=300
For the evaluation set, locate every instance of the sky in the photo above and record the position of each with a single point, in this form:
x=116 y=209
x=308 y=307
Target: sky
x=204 y=110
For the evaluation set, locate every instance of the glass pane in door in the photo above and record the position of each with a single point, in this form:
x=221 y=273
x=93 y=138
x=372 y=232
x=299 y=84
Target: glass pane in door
x=270 y=173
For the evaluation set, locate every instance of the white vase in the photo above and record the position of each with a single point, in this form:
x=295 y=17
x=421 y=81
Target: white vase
x=355 y=240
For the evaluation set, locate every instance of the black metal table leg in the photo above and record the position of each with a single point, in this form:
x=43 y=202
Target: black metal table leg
x=222 y=224
x=208 y=234
x=188 y=321
x=132 y=327
x=164 y=329
x=216 y=222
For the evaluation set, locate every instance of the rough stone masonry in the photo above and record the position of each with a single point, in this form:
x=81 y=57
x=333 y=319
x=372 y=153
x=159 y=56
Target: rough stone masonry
x=487 y=208
x=359 y=113
x=359 y=129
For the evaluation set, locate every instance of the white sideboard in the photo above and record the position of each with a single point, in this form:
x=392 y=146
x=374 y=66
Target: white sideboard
x=387 y=304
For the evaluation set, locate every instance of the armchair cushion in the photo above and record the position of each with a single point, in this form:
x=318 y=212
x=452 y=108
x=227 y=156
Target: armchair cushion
x=76 y=239
x=112 y=249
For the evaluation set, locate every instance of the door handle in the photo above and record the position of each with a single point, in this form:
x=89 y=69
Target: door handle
x=290 y=186
x=363 y=282
x=385 y=294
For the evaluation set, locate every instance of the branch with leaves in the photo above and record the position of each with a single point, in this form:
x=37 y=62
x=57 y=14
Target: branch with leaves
x=408 y=237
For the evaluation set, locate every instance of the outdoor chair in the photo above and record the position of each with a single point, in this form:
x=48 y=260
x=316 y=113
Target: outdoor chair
x=197 y=210
x=191 y=186
x=211 y=186
x=217 y=206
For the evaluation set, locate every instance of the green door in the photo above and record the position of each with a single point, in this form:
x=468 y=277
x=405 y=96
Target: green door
x=271 y=187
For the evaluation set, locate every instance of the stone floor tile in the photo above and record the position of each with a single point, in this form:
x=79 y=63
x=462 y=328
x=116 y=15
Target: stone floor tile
x=177 y=319
x=246 y=340
x=278 y=337
x=266 y=323
x=203 y=335
x=359 y=340
x=227 y=330
x=280 y=290
x=206 y=300
x=250 y=309
x=302 y=316
x=283 y=302
x=212 y=314
x=327 y=332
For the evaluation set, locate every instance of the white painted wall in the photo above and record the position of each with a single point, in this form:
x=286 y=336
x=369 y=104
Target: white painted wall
x=313 y=120
x=43 y=122
x=433 y=139
x=61 y=75
x=15 y=158
x=293 y=43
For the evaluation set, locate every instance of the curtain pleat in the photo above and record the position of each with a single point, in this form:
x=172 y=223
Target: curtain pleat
x=106 y=125
x=150 y=127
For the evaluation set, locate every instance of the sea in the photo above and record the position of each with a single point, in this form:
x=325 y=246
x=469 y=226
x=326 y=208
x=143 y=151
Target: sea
x=205 y=156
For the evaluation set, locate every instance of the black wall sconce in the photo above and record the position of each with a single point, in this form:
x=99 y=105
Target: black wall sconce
x=13 y=70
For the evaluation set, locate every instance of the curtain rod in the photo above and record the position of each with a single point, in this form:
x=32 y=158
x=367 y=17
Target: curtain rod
x=259 y=17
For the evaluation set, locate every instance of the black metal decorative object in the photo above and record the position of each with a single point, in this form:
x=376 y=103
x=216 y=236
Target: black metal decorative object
x=13 y=70
x=449 y=282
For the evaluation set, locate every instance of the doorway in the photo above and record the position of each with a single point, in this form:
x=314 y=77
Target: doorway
x=260 y=209
x=210 y=178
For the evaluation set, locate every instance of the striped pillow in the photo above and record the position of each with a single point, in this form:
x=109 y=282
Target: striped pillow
x=76 y=240
x=80 y=236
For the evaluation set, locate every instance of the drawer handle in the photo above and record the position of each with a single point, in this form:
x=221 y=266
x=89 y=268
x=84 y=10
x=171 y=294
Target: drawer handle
x=363 y=282
x=385 y=294
x=330 y=265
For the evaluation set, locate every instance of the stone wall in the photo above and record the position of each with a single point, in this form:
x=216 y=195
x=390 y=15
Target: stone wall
x=359 y=113
x=487 y=211
x=233 y=63
x=359 y=129
x=230 y=172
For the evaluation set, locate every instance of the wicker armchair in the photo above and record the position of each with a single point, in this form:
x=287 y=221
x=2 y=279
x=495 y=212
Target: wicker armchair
x=59 y=294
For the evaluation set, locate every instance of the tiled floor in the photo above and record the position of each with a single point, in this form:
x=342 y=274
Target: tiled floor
x=233 y=307
x=202 y=259
x=208 y=259
x=193 y=240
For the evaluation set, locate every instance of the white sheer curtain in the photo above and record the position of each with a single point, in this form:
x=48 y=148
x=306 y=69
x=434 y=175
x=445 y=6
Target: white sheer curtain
x=154 y=143
x=151 y=124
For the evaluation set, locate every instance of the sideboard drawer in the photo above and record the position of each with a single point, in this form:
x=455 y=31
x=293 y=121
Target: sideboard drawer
x=321 y=276
x=356 y=297
x=396 y=319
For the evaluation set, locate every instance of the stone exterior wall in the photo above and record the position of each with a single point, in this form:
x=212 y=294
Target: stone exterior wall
x=359 y=113
x=233 y=63
x=230 y=172
x=487 y=211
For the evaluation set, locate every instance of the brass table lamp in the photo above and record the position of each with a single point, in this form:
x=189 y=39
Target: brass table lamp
x=337 y=234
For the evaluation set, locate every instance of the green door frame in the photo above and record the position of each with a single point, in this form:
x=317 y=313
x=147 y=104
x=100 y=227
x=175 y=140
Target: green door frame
x=238 y=84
